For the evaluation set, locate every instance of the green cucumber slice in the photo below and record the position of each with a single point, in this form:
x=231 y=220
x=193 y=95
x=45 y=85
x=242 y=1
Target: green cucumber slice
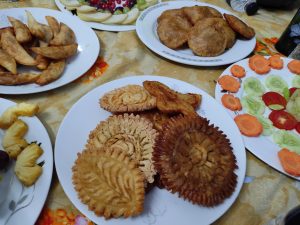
x=287 y=139
x=293 y=105
x=267 y=125
x=253 y=105
x=276 y=83
x=296 y=82
x=253 y=86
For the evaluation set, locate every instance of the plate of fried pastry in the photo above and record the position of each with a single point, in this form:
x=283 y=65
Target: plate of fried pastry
x=42 y=49
x=195 y=33
x=150 y=150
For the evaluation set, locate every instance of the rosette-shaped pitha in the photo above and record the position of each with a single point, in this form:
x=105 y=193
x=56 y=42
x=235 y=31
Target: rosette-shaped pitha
x=130 y=98
x=109 y=182
x=195 y=160
x=132 y=134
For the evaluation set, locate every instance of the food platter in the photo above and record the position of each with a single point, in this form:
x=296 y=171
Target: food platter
x=88 y=49
x=161 y=207
x=262 y=147
x=146 y=27
x=25 y=203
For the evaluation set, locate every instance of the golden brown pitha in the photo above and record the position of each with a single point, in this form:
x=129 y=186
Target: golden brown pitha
x=171 y=13
x=197 y=13
x=239 y=26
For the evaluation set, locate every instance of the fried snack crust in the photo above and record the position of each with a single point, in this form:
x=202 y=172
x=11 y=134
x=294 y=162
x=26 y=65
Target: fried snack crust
x=109 y=182
x=197 y=13
x=172 y=102
x=239 y=26
x=173 y=31
x=8 y=78
x=195 y=160
x=130 y=98
x=132 y=134
x=21 y=30
x=8 y=62
x=65 y=36
x=56 y=52
x=171 y=13
x=52 y=73
x=157 y=118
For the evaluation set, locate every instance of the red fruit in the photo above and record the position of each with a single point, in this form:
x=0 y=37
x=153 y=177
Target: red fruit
x=292 y=90
x=283 y=120
x=274 y=98
x=298 y=128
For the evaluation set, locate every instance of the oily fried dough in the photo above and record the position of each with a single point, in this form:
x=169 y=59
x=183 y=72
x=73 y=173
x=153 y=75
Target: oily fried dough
x=52 y=73
x=42 y=61
x=173 y=31
x=239 y=26
x=215 y=13
x=21 y=30
x=170 y=13
x=197 y=13
x=157 y=118
x=8 y=62
x=56 y=52
x=10 y=44
x=54 y=24
x=8 y=78
x=65 y=36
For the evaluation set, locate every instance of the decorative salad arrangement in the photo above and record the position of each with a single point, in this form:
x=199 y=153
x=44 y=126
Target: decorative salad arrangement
x=122 y=12
x=268 y=104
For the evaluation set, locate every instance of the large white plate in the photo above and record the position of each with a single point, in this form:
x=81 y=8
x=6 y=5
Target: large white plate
x=146 y=28
x=23 y=205
x=263 y=147
x=161 y=207
x=88 y=48
x=98 y=26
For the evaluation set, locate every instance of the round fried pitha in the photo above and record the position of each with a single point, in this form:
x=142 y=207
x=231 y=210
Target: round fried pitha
x=196 y=13
x=195 y=160
x=173 y=31
x=172 y=13
x=214 y=12
x=207 y=41
x=239 y=26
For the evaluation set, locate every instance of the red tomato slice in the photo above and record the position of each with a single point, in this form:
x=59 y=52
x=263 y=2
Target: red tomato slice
x=292 y=90
x=283 y=120
x=274 y=98
x=298 y=127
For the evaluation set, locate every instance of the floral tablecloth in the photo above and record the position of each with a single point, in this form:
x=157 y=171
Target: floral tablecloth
x=266 y=193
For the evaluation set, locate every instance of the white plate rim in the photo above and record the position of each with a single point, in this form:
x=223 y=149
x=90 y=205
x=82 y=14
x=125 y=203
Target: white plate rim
x=124 y=81
x=47 y=169
x=271 y=160
x=93 y=51
x=175 y=56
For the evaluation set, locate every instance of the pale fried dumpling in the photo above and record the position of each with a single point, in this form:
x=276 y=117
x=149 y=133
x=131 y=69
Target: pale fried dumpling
x=13 y=141
x=26 y=168
x=11 y=114
x=132 y=134
x=109 y=182
x=130 y=98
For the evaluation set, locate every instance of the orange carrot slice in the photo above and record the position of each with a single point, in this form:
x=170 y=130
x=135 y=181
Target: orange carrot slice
x=237 y=71
x=276 y=62
x=229 y=83
x=248 y=125
x=259 y=64
x=294 y=66
x=290 y=161
x=231 y=102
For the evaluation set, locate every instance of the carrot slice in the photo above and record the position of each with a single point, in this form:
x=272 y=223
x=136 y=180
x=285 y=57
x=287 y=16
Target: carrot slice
x=294 y=66
x=248 y=125
x=259 y=64
x=231 y=102
x=237 y=71
x=276 y=62
x=229 y=83
x=290 y=161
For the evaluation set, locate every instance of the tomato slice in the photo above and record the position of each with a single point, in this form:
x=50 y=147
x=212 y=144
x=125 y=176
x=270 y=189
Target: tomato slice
x=292 y=90
x=272 y=98
x=283 y=120
x=298 y=127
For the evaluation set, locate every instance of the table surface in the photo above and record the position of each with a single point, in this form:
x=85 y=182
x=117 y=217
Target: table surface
x=266 y=193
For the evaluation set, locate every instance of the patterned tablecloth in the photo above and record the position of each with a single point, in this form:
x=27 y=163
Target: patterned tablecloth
x=266 y=193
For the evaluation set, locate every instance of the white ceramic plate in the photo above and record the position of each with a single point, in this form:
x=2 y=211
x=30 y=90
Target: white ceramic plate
x=161 y=207
x=88 y=48
x=146 y=28
x=263 y=146
x=23 y=205
x=98 y=26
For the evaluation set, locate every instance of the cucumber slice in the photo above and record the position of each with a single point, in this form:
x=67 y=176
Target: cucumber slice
x=267 y=125
x=253 y=86
x=293 y=105
x=276 y=83
x=253 y=105
x=296 y=82
x=287 y=139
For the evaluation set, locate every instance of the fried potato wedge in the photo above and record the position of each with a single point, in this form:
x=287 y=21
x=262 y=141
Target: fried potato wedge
x=65 y=36
x=56 y=52
x=53 y=72
x=10 y=44
x=54 y=24
x=21 y=30
x=42 y=62
x=8 y=62
x=8 y=78
x=39 y=30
